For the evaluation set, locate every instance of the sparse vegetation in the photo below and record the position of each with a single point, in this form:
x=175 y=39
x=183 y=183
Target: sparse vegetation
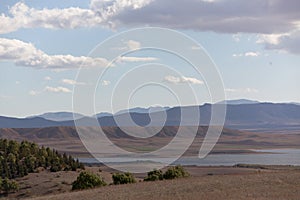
x=123 y=178
x=171 y=173
x=87 y=180
x=175 y=172
x=19 y=159
x=154 y=175
x=8 y=186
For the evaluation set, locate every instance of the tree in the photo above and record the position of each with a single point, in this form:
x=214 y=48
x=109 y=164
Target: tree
x=154 y=175
x=87 y=180
x=123 y=178
x=19 y=159
x=56 y=165
x=175 y=172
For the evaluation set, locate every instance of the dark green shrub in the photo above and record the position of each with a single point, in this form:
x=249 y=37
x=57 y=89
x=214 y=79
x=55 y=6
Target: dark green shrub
x=175 y=172
x=123 y=178
x=87 y=180
x=154 y=175
x=9 y=185
x=56 y=168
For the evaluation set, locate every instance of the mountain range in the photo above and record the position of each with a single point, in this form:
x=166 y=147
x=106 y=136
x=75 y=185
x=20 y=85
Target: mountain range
x=241 y=114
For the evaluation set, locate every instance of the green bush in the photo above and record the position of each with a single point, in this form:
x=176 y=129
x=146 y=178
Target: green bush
x=175 y=172
x=123 y=178
x=154 y=175
x=87 y=180
x=9 y=186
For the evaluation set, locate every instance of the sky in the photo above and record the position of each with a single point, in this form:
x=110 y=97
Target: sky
x=45 y=46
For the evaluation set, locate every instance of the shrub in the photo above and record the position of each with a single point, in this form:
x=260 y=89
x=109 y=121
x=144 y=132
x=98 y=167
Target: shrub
x=87 y=180
x=55 y=168
x=9 y=186
x=123 y=178
x=175 y=172
x=154 y=175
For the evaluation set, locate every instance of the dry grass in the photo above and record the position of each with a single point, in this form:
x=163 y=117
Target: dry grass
x=272 y=185
x=248 y=182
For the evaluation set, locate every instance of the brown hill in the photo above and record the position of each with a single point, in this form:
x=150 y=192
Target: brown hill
x=66 y=139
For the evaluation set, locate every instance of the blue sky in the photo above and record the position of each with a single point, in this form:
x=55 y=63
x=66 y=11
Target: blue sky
x=255 y=46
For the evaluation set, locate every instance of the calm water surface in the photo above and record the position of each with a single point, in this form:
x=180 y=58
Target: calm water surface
x=270 y=157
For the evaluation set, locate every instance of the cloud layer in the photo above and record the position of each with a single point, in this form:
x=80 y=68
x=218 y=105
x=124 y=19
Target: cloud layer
x=100 y=12
x=256 y=16
x=25 y=54
x=264 y=17
x=234 y=16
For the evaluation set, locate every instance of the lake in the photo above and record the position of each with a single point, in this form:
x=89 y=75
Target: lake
x=265 y=157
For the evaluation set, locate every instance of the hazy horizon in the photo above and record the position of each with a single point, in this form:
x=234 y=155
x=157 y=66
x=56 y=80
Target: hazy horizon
x=169 y=106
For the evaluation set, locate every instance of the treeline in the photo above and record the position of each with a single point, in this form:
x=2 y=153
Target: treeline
x=19 y=159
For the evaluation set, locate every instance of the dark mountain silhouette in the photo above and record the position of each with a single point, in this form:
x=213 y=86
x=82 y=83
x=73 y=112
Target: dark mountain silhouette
x=35 y=122
x=239 y=116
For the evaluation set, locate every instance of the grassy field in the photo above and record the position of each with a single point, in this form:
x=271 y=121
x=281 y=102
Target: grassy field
x=244 y=182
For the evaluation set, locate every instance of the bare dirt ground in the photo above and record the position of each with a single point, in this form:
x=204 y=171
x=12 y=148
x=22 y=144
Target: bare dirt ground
x=254 y=182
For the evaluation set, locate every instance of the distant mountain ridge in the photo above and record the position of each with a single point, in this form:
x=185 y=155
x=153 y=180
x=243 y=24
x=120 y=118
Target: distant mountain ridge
x=239 y=102
x=59 y=116
x=142 y=110
x=242 y=115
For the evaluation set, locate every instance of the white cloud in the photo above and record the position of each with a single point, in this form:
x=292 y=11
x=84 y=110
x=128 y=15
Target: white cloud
x=252 y=54
x=25 y=54
x=72 y=82
x=269 y=38
x=230 y=90
x=98 y=14
x=196 y=48
x=133 y=45
x=286 y=42
x=111 y=8
x=129 y=45
x=47 y=78
x=105 y=82
x=182 y=79
x=34 y=93
x=22 y=16
x=241 y=90
x=58 y=89
x=237 y=55
x=236 y=37
x=247 y=54
x=135 y=59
